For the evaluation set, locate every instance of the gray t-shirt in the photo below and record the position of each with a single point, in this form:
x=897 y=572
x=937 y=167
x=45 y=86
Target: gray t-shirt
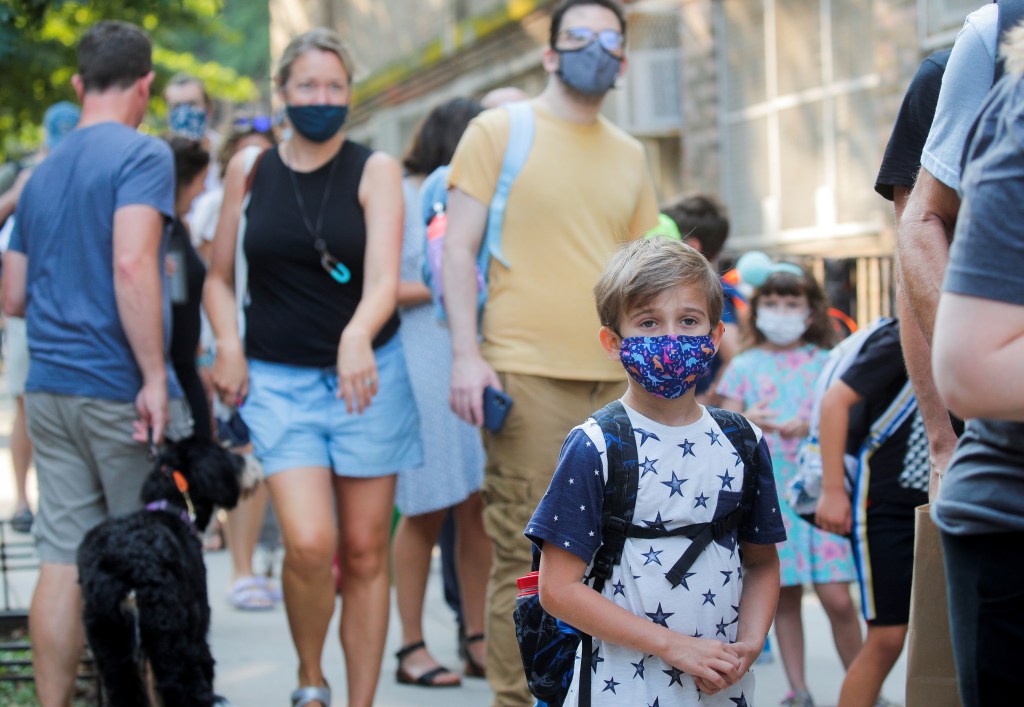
x=65 y=227
x=965 y=83
x=983 y=490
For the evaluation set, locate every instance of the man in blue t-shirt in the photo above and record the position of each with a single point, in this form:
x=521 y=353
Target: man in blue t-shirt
x=85 y=269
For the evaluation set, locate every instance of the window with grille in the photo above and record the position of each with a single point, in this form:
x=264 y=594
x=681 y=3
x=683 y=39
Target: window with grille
x=649 y=99
x=799 y=130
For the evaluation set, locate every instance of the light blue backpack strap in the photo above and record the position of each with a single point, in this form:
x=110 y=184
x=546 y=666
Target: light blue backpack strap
x=520 y=140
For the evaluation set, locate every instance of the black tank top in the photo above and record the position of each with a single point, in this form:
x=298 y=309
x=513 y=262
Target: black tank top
x=296 y=310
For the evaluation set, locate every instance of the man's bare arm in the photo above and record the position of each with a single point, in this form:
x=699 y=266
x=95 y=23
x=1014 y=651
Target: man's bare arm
x=138 y=291
x=917 y=355
x=467 y=221
x=924 y=233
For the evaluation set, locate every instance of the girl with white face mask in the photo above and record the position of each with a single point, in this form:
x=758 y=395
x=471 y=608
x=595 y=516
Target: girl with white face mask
x=772 y=383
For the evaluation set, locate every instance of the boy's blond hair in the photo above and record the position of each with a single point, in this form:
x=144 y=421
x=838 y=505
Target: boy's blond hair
x=643 y=269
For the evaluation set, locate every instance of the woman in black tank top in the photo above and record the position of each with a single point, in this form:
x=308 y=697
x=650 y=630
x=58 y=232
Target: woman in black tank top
x=327 y=402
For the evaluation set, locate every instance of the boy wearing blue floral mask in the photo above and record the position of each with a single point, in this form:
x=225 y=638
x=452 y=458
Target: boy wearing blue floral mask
x=668 y=627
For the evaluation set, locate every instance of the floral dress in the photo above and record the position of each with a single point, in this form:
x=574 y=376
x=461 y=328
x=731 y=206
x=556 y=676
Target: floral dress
x=785 y=380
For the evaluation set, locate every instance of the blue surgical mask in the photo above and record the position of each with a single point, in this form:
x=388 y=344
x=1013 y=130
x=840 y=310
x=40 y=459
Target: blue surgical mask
x=666 y=366
x=187 y=121
x=591 y=70
x=317 y=123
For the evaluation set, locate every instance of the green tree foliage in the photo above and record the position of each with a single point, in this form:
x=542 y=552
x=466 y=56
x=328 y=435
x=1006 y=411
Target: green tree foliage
x=37 y=54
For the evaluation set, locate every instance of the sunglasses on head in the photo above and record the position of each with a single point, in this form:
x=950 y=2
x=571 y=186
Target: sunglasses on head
x=259 y=123
x=610 y=40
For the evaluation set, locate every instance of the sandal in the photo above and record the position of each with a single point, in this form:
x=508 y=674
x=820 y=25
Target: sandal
x=308 y=695
x=250 y=594
x=472 y=669
x=22 y=521
x=427 y=679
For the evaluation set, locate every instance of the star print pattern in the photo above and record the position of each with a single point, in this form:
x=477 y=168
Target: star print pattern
x=647 y=467
x=660 y=617
x=675 y=485
x=675 y=459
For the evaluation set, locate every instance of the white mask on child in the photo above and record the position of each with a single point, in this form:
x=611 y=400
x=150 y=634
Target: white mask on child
x=782 y=329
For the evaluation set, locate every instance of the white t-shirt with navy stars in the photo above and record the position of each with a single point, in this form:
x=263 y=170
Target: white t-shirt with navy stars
x=688 y=475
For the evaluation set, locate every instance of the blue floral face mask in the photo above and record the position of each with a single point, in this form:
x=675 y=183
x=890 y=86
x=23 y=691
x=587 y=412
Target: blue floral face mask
x=666 y=366
x=187 y=120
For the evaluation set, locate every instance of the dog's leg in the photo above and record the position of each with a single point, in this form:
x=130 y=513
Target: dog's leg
x=168 y=619
x=111 y=629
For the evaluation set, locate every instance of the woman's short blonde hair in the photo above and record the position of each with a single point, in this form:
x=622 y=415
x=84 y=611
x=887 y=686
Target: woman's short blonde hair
x=321 y=39
x=642 y=270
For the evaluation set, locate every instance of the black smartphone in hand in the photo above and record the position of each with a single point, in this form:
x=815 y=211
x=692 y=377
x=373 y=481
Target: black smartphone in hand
x=496 y=407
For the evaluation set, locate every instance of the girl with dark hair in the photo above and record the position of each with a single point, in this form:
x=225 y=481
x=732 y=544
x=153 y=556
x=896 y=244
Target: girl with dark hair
x=453 y=455
x=771 y=383
x=186 y=274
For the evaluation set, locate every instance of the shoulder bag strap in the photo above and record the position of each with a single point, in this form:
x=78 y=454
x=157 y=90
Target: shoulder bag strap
x=520 y=140
x=617 y=514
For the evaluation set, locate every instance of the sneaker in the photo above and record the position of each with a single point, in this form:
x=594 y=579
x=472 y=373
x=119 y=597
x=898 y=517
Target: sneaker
x=882 y=702
x=797 y=698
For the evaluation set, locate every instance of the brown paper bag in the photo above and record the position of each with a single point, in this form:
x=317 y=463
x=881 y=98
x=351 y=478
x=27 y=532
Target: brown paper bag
x=931 y=673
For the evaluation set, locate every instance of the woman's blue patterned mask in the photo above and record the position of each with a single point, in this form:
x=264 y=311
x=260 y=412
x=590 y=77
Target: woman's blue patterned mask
x=187 y=120
x=666 y=366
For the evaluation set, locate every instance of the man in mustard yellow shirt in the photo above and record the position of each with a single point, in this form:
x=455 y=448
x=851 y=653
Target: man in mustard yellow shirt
x=583 y=191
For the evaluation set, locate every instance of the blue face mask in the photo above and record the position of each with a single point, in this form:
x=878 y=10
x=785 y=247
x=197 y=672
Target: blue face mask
x=591 y=70
x=317 y=123
x=666 y=366
x=188 y=121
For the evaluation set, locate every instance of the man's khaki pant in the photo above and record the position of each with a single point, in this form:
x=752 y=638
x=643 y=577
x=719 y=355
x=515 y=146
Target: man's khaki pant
x=520 y=462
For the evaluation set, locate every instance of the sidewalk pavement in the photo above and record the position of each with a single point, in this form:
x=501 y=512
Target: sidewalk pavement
x=256 y=663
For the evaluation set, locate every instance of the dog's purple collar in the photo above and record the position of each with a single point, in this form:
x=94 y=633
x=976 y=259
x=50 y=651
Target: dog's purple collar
x=163 y=505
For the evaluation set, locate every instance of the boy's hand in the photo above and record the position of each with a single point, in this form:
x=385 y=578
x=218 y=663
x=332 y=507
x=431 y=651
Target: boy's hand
x=707 y=661
x=746 y=652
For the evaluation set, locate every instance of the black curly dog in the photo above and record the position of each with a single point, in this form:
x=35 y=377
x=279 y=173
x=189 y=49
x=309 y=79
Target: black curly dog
x=144 y=582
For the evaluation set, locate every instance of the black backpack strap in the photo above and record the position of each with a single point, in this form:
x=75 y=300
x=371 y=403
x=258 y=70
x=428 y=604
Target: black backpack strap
x=1011 y=12
x=741 y=435
x=617 y=515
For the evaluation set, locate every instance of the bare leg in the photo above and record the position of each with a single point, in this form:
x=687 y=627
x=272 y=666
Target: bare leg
x=243 y=531
x=414 y=542
x=835 y=598
x=302 y=499
x=473 y=559
x=789 y=630
x=364 y=516
x=864 y=679
x=21 y=454
x=58 y=635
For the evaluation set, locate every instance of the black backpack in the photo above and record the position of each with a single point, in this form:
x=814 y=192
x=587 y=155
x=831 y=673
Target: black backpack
x=548 y=646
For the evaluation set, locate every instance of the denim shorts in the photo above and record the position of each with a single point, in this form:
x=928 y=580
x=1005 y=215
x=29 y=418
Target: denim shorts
x=295 y=419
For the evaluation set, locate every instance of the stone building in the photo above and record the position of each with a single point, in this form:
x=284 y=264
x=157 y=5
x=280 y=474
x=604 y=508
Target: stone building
x=783 y=107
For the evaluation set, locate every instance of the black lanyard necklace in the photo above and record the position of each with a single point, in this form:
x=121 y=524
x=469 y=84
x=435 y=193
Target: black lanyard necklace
x=331 y=265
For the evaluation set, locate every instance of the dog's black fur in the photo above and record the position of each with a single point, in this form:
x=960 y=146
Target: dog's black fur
x=144 y=582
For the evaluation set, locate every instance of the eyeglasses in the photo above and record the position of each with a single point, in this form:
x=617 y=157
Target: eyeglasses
x=259 y=123
x=610 y=40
